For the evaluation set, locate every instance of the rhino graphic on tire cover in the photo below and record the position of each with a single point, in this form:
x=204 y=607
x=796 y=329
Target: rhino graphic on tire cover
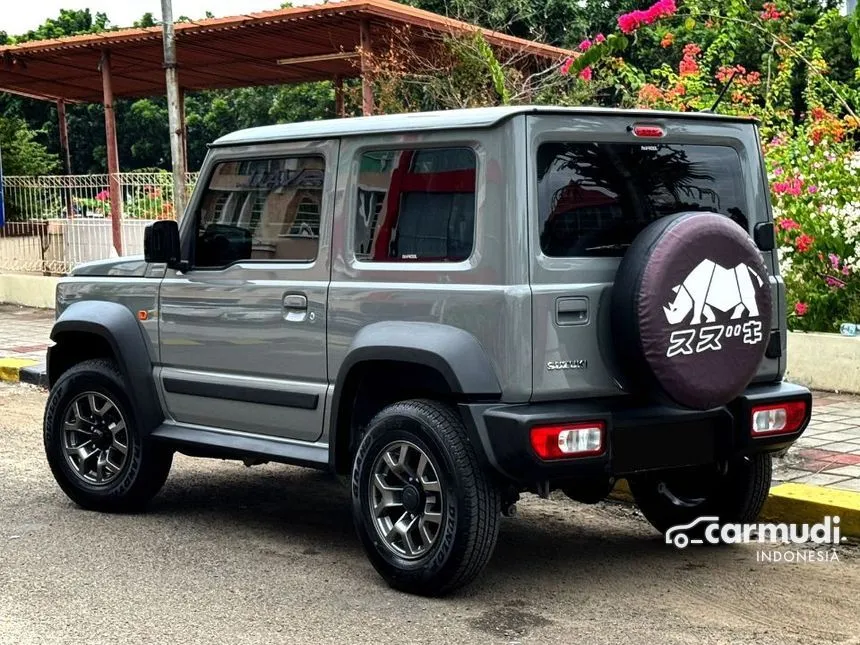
x=710 y=286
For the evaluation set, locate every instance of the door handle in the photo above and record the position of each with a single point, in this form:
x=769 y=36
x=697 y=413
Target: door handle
x=571 y=311
x=295 y=307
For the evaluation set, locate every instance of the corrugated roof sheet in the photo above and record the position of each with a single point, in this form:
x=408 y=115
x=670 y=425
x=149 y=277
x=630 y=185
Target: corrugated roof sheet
x=237 y=51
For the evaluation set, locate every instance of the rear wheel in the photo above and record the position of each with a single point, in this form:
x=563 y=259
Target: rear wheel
x=734 y=493
x=94 y=446
x=425 y=511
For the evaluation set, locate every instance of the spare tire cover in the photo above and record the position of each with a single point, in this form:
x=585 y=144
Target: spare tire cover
x=691 y=310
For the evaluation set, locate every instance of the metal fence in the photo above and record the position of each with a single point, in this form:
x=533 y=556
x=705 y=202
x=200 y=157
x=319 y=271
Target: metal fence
x=56 y=222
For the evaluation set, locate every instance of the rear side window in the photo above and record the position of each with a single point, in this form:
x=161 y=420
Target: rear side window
x=415 y=205
x=261 y=209
x=595 y=198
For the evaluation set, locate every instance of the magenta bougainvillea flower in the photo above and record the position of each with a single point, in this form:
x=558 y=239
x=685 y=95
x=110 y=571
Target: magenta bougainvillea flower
x=630 y=22
x=565 y=66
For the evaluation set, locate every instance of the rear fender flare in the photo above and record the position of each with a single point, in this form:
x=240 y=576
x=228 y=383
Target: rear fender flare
x=452 y=352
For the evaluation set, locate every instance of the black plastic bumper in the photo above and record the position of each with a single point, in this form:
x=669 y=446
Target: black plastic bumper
x=638 y=438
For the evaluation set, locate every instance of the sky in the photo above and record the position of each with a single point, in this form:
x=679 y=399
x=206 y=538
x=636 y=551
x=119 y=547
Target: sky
x=19 y=17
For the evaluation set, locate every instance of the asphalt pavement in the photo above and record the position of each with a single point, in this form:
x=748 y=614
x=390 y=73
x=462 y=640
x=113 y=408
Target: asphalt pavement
x=229 y=554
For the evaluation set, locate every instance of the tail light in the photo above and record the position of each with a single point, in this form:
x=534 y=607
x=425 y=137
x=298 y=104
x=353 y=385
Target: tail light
x=568 y=440
x=777 y=418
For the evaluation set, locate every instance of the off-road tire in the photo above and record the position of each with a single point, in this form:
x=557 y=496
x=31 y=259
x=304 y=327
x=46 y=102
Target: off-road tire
x=147 y=465
x=737 y=496
x=471 y=503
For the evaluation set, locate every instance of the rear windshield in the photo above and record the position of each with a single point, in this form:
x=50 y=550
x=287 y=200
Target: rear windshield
x=594 y=198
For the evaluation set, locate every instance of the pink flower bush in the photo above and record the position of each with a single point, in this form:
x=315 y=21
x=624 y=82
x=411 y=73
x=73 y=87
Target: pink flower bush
x=585 y=45
x=689 y=65
x=800 y=308
x=599 y=38
x=564 y=70
x=803 y=243
x=630 y=22
x=103 y=196
x=585 y=74
x=790 y=187
x=769 y=12
x=789 y=224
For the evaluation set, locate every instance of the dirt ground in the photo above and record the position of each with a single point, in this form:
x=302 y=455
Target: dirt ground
x=228 y=554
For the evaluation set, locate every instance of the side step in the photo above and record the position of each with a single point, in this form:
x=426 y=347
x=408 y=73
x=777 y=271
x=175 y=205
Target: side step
x=231 y=444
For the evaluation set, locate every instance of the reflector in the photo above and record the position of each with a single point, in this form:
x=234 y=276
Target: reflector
x=777 y=418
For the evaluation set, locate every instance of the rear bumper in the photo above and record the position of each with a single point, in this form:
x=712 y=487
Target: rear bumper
x=638 y=438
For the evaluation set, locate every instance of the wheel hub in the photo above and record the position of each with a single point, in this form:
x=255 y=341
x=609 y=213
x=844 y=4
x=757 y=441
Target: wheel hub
x=406 y=500
x=95 y=438
x=102 y=437
x=412 y=498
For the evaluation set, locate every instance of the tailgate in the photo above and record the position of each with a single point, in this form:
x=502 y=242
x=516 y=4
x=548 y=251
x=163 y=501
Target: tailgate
x=593 y=185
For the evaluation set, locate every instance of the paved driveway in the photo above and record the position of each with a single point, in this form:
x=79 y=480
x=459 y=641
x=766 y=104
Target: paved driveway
x=267 y=555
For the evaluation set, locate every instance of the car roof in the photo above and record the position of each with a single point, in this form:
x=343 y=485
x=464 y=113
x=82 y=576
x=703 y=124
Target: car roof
x=441 y=120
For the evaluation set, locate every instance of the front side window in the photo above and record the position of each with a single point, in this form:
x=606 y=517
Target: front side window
x=261 y=209
x=595 y=198
x=415 y=205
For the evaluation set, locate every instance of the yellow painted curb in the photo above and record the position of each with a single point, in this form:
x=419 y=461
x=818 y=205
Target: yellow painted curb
x=803 y=503
x=795 y=503
x=10 y=368
x=621 y=492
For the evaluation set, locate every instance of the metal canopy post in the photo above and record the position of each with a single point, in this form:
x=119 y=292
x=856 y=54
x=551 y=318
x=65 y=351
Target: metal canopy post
x=66 y=154
x=175 y=110
x=112 y=154
x=366 y=84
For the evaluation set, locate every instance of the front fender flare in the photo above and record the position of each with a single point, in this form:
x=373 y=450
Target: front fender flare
x=121 y=330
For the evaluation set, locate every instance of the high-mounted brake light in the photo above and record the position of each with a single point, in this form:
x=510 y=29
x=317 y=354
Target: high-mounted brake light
x=777 y=418
x=568 y=440
x=648 y=131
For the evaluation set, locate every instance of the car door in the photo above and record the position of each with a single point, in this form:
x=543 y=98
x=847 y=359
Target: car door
x=243 y=329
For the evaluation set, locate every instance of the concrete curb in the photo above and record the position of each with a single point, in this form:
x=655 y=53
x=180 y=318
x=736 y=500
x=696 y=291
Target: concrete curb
x=10 y=368
x=795 y=503
x=35 y=375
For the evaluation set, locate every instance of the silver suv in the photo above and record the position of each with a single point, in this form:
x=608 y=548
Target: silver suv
x=451 y=309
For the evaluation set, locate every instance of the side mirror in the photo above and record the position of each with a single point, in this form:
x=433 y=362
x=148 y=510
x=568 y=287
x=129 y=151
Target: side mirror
x=161 y=243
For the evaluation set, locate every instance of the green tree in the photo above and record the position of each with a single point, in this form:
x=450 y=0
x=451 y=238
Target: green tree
x=69 y=23
x=146 y=20
x=22 y=153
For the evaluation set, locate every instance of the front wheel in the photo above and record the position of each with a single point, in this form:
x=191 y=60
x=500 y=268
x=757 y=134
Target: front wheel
x=425 y=511
x=96 y=451
x=734 y=493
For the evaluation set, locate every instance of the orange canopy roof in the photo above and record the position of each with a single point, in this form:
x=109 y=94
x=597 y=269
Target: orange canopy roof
x=309 y=43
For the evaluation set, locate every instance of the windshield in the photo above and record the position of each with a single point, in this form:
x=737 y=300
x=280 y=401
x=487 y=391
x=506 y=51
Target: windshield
x=594 y=198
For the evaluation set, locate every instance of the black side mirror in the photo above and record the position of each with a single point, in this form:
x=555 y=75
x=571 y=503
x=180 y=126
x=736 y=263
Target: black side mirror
x=161 y=243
